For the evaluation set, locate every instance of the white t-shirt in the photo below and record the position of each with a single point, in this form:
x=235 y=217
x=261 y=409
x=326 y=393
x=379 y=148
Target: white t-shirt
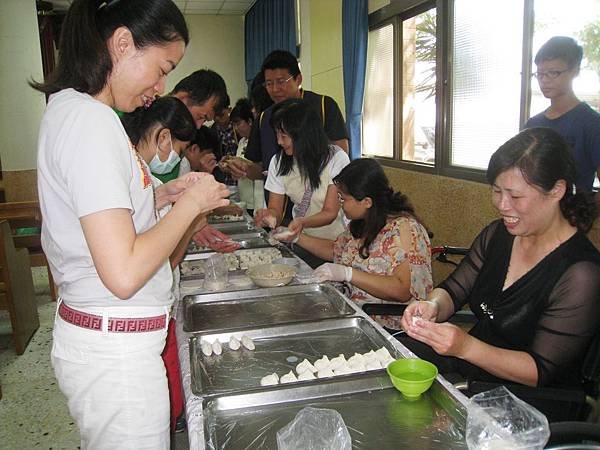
x=86 y=164
x=274 y=181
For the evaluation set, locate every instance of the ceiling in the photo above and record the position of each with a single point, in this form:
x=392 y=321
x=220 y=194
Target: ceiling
x=213 y=7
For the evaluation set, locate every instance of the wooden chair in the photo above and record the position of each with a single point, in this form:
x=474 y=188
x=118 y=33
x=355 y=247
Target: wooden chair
x=16 y=289
x=28 y=215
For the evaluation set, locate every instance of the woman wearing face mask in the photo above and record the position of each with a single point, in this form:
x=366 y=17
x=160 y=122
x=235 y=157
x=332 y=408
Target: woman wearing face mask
x=384 y=255
x=161 y=133
x=303 y=170
x=106 y=248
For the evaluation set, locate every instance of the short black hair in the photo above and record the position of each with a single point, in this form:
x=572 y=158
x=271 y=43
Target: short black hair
x=206 y=139
x=561 y=47
x=281 y=59
x=85 y=62
x=242 y=111
x=202 y=85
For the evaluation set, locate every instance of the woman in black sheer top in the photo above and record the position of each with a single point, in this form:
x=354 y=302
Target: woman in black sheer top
x=532 y=279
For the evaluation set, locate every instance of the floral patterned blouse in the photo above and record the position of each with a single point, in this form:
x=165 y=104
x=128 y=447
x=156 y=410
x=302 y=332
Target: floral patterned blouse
x=401 y=239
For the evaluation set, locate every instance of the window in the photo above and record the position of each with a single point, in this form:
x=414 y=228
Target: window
x=449 y=81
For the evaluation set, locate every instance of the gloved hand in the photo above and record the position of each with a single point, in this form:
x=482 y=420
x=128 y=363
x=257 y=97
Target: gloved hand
x=333 y=272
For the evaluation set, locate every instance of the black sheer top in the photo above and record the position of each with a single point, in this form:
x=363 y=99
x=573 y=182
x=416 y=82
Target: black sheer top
x=552 y=312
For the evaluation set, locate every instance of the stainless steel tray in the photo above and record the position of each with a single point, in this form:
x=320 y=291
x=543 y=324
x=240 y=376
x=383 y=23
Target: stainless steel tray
x=233 y=228
x=262 y=307
x=279 y=349
x=376 y=415
x=285 y=253
x=256 y=241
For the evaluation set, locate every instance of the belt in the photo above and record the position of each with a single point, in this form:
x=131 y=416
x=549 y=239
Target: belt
x=115 y=324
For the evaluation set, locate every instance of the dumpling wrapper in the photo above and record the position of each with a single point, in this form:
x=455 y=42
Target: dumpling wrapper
x=206 y=348
x=416 y=319
x=234 y=343
x=288 y=378
x=247 y=342
x=373 y=364
x=305 y=366
x=323 y=363
x=271 y=221
x=357 y=358
x=337 y=362
x=383 y=354
x=216 y=348
x=269 y=380
x=325 y=373
x=343 y=369
x=307 y=375
x=370 y=355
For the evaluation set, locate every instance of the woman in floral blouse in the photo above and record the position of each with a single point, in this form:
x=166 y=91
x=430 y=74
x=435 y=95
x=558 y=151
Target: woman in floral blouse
x=385 y=255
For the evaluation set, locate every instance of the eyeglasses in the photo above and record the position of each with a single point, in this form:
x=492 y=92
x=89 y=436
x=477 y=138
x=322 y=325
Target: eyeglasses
x=279 y=82
x=551 y=74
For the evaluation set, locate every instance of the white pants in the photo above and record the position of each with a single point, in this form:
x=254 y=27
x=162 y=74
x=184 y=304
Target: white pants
x=115 y=383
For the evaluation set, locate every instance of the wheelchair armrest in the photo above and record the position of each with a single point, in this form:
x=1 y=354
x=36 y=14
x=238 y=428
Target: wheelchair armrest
x=384 y=309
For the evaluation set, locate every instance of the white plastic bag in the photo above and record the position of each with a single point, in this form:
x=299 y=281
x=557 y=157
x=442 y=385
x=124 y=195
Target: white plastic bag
x=315 y=429
x=499 y=420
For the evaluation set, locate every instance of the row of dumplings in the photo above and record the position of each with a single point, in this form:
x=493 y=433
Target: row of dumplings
x=325 y=367
x=234 y=344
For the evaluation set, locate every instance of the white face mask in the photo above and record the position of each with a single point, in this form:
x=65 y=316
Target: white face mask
x=161 y=167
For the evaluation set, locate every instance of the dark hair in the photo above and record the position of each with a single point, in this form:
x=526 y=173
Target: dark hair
x=259 y=97
x=281 y=59
x=166 y=112
x=302 y=124
x=242 y=111
x=544 y=157
x=201 y=86
x=561 y=47
x=206 y=139
x=365 y=178
x=84 y=62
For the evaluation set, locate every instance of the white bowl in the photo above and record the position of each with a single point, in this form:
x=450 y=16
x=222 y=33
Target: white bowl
x=271 y=275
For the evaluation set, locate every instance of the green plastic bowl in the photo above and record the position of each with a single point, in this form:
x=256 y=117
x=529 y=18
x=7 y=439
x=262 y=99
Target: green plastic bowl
x=412 y=376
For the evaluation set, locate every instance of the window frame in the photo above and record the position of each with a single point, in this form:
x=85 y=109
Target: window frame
x=395 y=13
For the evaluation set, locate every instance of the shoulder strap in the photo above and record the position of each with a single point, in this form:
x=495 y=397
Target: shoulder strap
x=323 y=108
x=260 y=119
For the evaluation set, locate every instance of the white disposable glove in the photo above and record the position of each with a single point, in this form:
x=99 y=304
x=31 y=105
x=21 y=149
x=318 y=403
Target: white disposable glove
x=333 y=272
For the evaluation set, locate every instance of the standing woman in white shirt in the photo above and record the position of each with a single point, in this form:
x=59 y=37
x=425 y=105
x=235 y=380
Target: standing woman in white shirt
x=107 y=250
x=303 y=170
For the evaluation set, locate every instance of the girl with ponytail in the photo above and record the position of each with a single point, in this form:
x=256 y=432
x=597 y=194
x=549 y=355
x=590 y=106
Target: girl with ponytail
x=108 y=252
x=385 y=254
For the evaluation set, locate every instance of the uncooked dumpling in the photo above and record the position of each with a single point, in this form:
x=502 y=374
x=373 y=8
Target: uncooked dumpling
x=306 y=375
x=269 y=380
x=343 y=369
x=337 y=362
x=357 y=359
x=247 y=342
x=322 y=363
x=234 y=344
x=289 y=378
x=206 y=348
x=216 y=348
x=305 y=366
x=370 y=355
x=325 y=373
x=373 y=364
x=383 y=354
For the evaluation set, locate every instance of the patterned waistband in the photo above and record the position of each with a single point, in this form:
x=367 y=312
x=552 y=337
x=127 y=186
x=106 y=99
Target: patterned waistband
x=115 y=324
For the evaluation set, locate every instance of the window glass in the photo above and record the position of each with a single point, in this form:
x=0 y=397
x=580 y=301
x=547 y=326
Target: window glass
x=418 y=87
x=486 y=78
x=378 y=107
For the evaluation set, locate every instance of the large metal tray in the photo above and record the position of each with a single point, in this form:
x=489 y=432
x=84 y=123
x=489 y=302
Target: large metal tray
x=247 y=242
x=233 y=228
x=262 y=307
x=376 y=415
x=279 y=349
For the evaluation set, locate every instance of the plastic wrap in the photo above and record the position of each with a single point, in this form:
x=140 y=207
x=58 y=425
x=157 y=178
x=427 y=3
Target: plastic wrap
x=499 y=420
x=315 y=429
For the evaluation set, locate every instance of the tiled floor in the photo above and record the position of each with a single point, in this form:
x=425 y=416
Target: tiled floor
x=33 y=412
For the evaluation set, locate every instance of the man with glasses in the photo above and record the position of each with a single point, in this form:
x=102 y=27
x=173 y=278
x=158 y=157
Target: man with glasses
x=283 y=81
x=558 y=62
